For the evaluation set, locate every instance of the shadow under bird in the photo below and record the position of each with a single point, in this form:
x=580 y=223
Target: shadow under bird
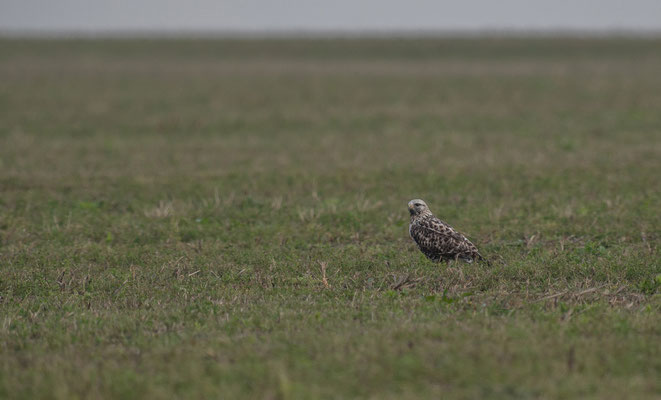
x=438 y=240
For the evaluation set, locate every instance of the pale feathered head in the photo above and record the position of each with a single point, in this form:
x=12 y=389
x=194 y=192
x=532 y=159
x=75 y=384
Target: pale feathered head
x=417 y=207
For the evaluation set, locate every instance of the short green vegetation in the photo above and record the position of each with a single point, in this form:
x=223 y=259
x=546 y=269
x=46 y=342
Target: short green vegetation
x=227 y=218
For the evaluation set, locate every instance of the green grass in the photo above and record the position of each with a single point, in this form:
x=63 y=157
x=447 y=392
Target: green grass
x=166 y=208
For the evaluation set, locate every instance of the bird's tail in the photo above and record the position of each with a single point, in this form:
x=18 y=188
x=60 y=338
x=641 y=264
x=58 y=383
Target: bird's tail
x=481 y=258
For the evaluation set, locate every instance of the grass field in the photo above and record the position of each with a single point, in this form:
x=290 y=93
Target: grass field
x=168 y=210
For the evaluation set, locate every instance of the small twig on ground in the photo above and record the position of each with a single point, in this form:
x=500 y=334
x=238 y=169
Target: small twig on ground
x=323 y=265
x=529 y=241
x=60 y=279
x=553 y=296
x=586 y=291
x=403 y=281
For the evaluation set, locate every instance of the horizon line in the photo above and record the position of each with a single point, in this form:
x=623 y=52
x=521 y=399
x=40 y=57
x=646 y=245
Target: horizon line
x=521 y=33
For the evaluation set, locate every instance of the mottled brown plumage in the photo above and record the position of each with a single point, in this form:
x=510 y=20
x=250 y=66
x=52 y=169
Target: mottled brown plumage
x=436 y=239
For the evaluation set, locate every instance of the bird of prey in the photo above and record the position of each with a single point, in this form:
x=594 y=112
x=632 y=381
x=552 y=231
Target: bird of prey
x=436 y=239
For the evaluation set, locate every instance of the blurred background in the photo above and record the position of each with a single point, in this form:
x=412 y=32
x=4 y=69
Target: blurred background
x=474 y=96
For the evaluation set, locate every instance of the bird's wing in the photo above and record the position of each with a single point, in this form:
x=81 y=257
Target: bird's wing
x=435 y=236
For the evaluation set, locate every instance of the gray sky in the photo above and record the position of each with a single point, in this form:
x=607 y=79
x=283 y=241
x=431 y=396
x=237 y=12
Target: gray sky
x=328 y=15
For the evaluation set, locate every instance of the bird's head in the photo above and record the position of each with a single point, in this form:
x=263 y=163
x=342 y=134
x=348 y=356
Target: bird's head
x=417 y=207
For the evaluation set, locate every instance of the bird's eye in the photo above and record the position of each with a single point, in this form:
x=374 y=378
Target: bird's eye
x=417 y=204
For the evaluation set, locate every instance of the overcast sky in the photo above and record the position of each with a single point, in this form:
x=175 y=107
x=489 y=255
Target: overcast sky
x=328 y=15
